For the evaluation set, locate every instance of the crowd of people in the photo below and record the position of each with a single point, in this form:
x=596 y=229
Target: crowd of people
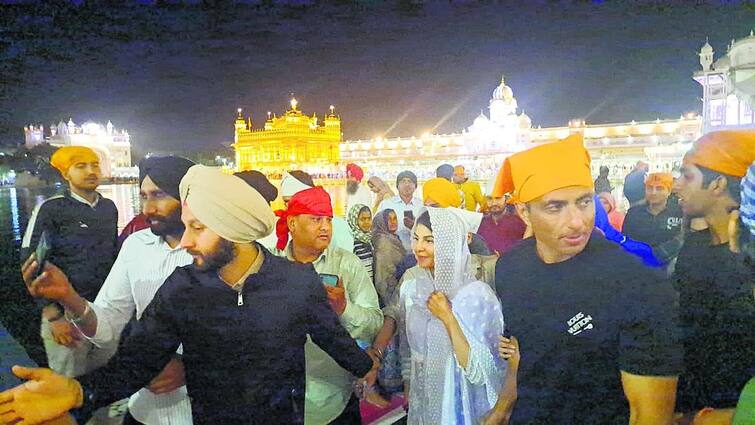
x=538 y=302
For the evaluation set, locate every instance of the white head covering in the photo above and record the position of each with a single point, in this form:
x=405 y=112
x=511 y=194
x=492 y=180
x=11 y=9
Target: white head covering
x=290 y=186
x=226 y=204
x=471 y=219
x=479 y=313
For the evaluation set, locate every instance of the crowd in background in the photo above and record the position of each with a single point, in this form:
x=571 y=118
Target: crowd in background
x=536 y=300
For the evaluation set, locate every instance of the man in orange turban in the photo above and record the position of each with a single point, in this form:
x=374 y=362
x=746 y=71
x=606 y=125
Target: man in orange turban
x=560 y=290
x=67 y=156
x=441 y=193
x=715 y=287
x=470 y=189
x=80 y=226
x=656 y=220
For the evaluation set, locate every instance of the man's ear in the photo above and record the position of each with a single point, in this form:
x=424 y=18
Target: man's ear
x=523 y=211
x=719 y=186
x=291 y=222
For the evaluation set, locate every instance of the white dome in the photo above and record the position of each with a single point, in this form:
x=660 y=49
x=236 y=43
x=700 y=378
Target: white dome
x=502 y=92
x=707 y=48
x=524 y=121
x=742 y=52
x=722 y=64
x=480 y=121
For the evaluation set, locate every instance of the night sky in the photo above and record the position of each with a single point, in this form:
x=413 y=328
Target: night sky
x=174 y=76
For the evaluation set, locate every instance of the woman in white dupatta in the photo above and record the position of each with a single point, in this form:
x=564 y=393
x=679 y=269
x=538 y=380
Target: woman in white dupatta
x=452 y=326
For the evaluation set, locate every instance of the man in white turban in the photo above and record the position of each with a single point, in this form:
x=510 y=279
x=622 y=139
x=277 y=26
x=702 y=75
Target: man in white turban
x=242 y=314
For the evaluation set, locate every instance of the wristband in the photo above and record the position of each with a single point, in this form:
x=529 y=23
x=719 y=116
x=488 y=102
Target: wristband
x=379 y=352
x=76 y=319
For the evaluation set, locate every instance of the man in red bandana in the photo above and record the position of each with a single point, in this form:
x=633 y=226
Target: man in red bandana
x=356 y=192
x=308 y=219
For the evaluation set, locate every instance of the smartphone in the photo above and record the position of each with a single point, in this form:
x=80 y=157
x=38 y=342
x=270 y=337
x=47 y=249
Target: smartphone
x=43 y=247
x=506 y=333
x=409 y=214
x=329 y=279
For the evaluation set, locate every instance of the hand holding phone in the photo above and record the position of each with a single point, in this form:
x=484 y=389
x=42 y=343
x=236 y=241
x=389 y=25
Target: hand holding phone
x=408 y=219
x=329 y=279
x=40 y=254
x=335 y=292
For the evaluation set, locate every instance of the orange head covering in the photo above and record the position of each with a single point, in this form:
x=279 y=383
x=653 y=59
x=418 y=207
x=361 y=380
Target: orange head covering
x=66 y=156
x=728 y=152
x=660 y=179
x=459 y=171
x=314 y=201
x=442 y=192
x=530 y=174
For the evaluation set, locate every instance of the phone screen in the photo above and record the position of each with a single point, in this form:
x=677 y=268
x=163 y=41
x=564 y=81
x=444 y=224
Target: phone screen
x=43 y=246
x=329 y=279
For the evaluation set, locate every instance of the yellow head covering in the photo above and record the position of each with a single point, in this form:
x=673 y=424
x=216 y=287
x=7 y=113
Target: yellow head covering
x=660 y=179
x=65 y=157
x=726 y=152
x=530 y=174
x=226 y=204
x=442 y=192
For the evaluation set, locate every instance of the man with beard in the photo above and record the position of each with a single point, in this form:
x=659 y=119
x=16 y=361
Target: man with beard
x=356 y=192
x=590 y=319
x=242 y=315
x=308 y=219
x=81 y=229
x=715 y=285
x=501 y=228
x=146 y=259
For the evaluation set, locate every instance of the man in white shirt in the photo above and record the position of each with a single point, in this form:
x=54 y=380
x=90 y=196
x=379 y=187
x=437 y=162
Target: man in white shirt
x=356 y=192
x=146 y=259
x=405 y=204
x=329 y=397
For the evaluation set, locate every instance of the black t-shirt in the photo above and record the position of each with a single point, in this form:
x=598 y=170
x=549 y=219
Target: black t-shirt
x=717 y=316
x=581 y=322
x=83 y=239
x=642 y=226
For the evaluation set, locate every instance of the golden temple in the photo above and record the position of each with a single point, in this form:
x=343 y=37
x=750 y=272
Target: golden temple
x=292 y=141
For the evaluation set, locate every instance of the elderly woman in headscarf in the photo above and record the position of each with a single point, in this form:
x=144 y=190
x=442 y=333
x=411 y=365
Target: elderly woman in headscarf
x=381 y=190
x=388 y=251
x=452 y=324
x=615 y=217
x=360 y=223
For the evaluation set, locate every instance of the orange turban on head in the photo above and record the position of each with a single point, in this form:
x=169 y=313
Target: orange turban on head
x=530 y=174
x=65 y=157
x=314 y=201
x=442 y=192
x=727 y=152
x=660 y=179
